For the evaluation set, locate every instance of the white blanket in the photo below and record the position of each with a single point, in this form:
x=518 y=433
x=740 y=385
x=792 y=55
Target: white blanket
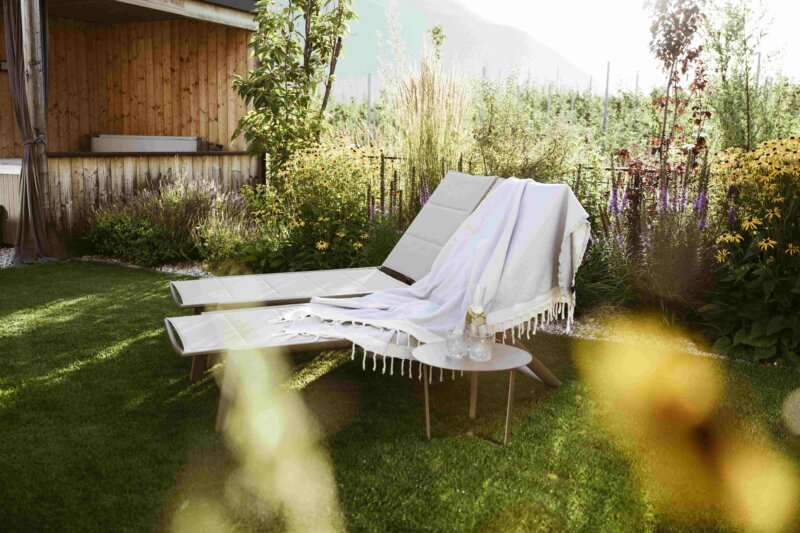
x=521 y=247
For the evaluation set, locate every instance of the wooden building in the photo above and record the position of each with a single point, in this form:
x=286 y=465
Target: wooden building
x=133 y=68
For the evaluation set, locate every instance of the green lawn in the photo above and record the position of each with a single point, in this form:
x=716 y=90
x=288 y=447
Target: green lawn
x=99 y=429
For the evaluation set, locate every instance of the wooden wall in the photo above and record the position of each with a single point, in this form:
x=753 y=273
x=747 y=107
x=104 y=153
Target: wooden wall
x=147 y=78
x=9 y=207
x=80 y=183
x=10 y=142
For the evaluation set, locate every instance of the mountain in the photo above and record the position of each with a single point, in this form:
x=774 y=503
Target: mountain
x=472 y=44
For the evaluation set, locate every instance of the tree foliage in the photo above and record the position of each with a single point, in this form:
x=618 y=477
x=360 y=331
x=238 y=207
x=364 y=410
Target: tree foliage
x=748 y=106
x=297 y=45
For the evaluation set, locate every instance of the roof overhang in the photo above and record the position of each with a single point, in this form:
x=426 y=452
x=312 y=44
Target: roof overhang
x=232 y=13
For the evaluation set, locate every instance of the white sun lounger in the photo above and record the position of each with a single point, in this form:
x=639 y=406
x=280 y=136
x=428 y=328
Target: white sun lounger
x=453 y=200
x=216 y=332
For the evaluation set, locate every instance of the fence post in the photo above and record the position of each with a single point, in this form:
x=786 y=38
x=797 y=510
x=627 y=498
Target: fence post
x=443 y=171
x=369 y=107
x=461 y=162
x=383 y=184
x=605 y=99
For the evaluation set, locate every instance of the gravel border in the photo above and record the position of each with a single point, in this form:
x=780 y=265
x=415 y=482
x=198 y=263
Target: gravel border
x=6 y=257
x=184 y=268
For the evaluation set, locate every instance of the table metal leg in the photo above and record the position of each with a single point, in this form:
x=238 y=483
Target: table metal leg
x=510 y=407
x=427 y=403
x=473 y=395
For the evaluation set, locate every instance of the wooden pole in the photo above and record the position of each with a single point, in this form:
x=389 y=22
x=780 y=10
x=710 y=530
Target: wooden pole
x=369 y=107
x=605 y=99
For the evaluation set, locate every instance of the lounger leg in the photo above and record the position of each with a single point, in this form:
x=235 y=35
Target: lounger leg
x=536 y=368
x=427 y=402
x=199 y=366
x=473 y=395
x=510 y=407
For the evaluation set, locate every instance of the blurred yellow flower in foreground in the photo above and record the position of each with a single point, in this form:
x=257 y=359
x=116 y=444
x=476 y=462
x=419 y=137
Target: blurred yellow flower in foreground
x=665 y=410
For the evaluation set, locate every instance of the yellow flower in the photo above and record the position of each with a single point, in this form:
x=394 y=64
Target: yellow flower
x=751 y=223
x=302 y=223
x=766 y=244
x=722 y=256
x=792 y=249
x=357 y=245
x=729 y=237
x=775 y=212
x=340 y=234
x=322 y=245
x=364 y=236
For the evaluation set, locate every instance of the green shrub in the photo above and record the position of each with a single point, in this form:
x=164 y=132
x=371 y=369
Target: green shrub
x=315 y=216
x=130 y=238
x=172 y=220
x=754 y=309
x=602 y=280
x=383 y=235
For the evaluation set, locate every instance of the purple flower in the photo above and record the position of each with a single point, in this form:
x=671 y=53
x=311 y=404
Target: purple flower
x=731 y=215
x=700 y=206
x=625 y=199
x=613 y=203
x=684 y=197
x=620 y=239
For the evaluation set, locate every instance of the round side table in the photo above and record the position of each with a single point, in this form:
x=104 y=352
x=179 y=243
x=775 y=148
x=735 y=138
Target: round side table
x=504 y=357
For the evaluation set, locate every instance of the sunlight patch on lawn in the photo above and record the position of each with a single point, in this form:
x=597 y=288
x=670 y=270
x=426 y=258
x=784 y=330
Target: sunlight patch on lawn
x=106 y=353
x=25 y=321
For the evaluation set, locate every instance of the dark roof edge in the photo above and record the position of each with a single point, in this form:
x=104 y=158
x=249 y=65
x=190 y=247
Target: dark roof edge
x=240 y=5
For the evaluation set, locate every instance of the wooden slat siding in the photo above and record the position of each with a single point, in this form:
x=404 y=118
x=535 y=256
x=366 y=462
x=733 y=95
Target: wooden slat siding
x=126 y=96
x=194 y=77
x=141 y=81
x=231 y=100
x=222 y=90
x=81 y=184
x=101 y=77
x=65 y=196
x=157 y=83
x=9 y=200
x=10 y=140
x=241 y=66
x=114 y=82
x=61 y=75
x=149 y=76
x=175 y=51
x=202 y=81
x=82 y=76
x=213 y=115
x=186 y=78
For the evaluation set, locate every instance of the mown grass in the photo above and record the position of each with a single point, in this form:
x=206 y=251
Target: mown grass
x=100 y=431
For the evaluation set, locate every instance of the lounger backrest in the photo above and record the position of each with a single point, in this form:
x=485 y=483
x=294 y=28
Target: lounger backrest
x=450 y=204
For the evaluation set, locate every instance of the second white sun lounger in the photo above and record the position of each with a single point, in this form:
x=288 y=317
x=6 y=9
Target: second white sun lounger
x=453 y=200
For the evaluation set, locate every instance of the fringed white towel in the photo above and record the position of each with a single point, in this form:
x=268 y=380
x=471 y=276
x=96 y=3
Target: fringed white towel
x=522 y=247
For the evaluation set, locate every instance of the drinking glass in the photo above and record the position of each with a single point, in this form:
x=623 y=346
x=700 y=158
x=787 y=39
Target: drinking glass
x=456 y=344
x=480 y=344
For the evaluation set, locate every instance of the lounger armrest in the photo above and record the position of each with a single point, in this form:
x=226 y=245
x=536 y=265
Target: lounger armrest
x=174 y=337
x=175 y=295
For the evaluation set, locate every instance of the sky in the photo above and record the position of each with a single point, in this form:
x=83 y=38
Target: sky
x=590 y=33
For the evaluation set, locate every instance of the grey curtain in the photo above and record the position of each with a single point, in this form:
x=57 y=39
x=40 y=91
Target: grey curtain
x=31 y=242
